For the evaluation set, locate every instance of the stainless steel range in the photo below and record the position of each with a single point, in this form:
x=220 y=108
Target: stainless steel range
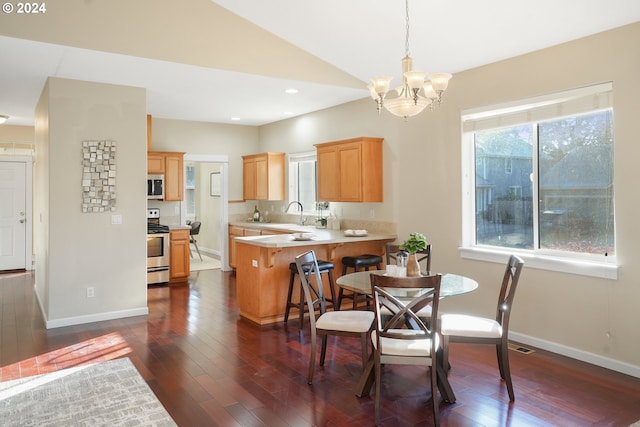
x=157 y=248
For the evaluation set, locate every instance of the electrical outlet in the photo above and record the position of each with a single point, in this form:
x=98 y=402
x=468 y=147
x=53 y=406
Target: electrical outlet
x=254 y=263
x=91 y=292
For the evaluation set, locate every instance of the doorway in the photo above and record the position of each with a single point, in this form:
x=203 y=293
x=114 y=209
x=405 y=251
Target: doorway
x=210 y=201
x=16 y=229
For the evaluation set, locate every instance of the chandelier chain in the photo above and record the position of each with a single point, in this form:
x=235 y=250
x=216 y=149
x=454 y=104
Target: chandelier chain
x=406 y=41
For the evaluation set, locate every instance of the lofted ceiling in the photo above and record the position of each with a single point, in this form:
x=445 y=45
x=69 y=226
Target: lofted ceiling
x=351 y=41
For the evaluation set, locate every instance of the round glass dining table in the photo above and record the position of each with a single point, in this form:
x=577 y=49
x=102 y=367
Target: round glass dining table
x=450 y=285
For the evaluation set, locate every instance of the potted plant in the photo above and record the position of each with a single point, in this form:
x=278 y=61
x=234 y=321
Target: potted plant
x=415 y=243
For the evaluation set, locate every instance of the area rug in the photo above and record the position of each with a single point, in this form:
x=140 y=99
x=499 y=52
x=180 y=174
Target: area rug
x=109 y=393
x=207 y=263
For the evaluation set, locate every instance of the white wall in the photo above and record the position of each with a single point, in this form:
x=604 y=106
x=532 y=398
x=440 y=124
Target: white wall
x=76 y=250
x=589 y=318
x=208 y=210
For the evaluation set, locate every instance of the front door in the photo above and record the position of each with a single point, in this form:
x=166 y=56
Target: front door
x=13 y=216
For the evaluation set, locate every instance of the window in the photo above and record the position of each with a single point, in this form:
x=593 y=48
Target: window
x=508 y=165
x=539 y=176
x=302 y=180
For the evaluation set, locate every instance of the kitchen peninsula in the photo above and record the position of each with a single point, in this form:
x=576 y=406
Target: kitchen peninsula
x=262 y=265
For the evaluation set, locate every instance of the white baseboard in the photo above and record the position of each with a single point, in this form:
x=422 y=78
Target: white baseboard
x=89 y=318
x=96 y=317
x=594 y=359
x=211 y=252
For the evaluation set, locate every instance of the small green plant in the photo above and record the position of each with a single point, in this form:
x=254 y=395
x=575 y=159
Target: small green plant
x=415 y=243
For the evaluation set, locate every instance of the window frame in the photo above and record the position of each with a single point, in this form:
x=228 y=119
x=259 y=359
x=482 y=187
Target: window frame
x=594 y=265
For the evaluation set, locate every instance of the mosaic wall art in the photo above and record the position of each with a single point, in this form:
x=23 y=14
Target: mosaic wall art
x=98 y=176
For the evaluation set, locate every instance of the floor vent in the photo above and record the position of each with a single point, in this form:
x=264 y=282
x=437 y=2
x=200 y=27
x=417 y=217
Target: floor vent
x=520 y=349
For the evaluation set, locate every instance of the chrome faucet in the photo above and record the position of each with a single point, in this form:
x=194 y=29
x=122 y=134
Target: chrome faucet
x=295 y=202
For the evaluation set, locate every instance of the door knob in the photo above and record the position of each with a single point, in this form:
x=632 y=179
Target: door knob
x=22 y=221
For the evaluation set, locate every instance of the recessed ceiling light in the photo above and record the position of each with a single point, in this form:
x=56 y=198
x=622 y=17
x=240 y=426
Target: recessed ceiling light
x=288 y=113
x=235 y=119
x=3 y=119
x=291 y=90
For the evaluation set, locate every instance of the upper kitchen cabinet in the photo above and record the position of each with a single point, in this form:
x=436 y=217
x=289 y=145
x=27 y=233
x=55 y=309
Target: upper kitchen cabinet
x=263 y=176
x=350 y=170
x=155 y=163
x=171 y=165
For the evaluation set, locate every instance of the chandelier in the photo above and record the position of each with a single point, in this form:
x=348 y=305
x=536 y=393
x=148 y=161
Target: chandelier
x=415 y=94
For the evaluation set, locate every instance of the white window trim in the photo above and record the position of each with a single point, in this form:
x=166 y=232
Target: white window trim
x=582 y=264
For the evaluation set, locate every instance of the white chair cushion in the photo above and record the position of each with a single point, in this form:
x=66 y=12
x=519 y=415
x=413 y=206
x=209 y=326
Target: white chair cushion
x=346 y=320
x=469 y=326
x=402 y=347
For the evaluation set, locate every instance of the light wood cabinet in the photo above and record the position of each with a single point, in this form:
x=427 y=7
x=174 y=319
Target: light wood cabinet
x=350 y=170
x=155 y=163
x=149 y=131
x=263 y=176
x=171 y=165
x=179 y=257
x=174 y=177
x=233 y=233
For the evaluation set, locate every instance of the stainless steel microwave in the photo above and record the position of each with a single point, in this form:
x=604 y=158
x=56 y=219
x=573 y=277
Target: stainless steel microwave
x=155 y=187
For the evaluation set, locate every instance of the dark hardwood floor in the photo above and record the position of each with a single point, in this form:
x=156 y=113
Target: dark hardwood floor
x=209 y=367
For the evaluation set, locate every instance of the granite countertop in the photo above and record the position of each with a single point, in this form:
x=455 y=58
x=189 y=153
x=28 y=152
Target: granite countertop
x=316 y=235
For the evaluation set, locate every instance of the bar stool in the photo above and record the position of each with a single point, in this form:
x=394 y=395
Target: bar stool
x=365 y=261
x=323 y=267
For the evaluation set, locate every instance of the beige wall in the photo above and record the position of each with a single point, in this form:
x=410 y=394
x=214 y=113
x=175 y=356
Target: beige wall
x=16 y=134
x=209 y=138
x=76 y=250
x=588 y=318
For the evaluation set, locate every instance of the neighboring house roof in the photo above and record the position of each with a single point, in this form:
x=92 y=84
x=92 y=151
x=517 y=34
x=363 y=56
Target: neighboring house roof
x=582 y=168
x=516 y=148
x=482 y=182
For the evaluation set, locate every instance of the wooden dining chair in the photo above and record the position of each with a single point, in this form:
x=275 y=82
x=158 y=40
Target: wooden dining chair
x=352 y=323
x=424 y=259
x=424 y=256
x=479 y=330
x=406 y=338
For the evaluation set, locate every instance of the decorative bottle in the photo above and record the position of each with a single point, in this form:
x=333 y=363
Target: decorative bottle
x=256 y=214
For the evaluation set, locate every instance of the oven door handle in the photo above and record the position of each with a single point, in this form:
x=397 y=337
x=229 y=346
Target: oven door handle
x=153 y=269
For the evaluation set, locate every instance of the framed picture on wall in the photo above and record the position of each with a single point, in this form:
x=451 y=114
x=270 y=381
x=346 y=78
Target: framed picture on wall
x=215 y=184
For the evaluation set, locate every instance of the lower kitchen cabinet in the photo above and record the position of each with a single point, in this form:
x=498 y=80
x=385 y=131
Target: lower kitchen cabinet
x=180 y=258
